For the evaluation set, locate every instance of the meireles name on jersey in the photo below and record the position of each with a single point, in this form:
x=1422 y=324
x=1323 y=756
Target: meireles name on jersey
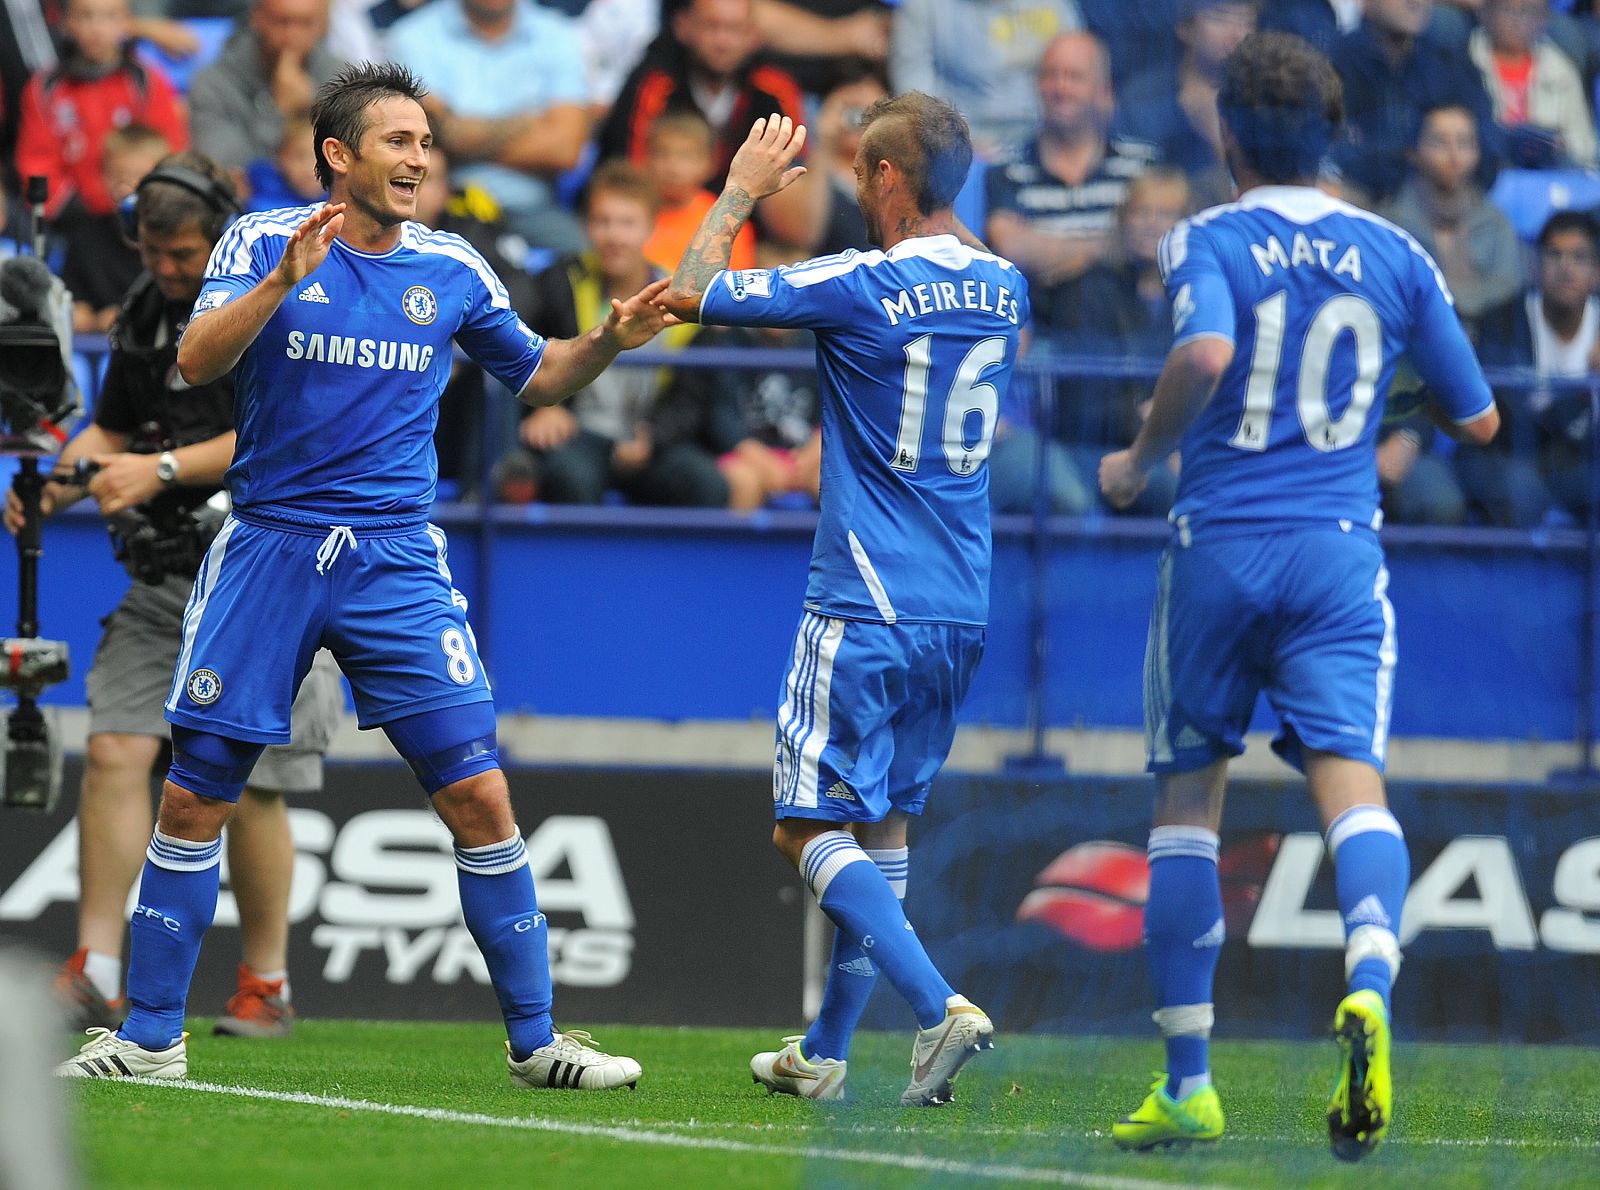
x=387 y=355
x=935 y=297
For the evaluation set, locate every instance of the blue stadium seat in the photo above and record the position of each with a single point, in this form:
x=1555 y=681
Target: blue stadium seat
x=1530 y=196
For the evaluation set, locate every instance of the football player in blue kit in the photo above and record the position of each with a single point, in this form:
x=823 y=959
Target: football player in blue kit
x=1292 y=310
x=915 y=345
x=340 y=317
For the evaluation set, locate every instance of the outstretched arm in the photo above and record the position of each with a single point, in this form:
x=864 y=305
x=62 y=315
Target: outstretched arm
x=762 y=166
x=570 y=364
x=1186 y=384
x=213 y=342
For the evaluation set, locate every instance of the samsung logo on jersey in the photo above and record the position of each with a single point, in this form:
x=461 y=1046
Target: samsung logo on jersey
x=385 y=354
x=1304 y=250
x=935 y=297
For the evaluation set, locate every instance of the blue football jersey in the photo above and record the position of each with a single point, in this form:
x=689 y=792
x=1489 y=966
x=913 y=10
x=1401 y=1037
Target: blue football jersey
x=337 y=397
x=1321 y=300
x=914 y=351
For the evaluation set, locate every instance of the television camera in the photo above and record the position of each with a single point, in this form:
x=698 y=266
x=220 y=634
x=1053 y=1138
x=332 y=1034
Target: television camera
x=38 y=402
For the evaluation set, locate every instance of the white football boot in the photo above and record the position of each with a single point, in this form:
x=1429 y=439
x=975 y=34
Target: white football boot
x=789 y=1072
x=105 y=1055
x=571 y=1062
x=939 y=1053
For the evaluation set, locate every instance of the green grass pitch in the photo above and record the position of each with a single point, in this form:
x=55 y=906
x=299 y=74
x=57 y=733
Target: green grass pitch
x=348 y=1104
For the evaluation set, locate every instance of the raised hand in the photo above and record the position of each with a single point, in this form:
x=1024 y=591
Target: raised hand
x=638 y=320
x=763 y=165
x=309 y=245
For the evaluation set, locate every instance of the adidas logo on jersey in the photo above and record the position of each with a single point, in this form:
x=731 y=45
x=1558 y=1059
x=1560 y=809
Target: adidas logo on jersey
x=860 y=965
x=1368 y=912
x=314 y=293
x=1215 y=936
x=1189 y=738
x=840 y=792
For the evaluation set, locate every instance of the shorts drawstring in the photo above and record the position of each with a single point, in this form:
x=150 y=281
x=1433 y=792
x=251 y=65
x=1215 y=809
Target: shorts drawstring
x=328 y=552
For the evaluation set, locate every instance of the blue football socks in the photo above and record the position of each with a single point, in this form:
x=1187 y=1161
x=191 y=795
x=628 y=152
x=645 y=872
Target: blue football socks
x=177 y=900
x=502 y=913
x=1372 y=871
x=1183 y=936
x=860 y=901
x=851 y=975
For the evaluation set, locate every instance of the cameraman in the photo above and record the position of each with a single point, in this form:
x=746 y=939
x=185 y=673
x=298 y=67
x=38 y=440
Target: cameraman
x=152 y=459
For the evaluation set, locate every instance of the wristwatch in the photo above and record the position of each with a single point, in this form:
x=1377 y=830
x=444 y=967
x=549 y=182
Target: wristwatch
x=167 y=467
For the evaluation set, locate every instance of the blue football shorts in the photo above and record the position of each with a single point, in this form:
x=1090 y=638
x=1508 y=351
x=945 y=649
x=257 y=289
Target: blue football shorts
x=268 y=595
x=1301 y=614
x=868 y=715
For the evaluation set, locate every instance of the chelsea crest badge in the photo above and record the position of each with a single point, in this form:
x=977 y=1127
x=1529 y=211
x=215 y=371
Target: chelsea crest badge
x=419 y=305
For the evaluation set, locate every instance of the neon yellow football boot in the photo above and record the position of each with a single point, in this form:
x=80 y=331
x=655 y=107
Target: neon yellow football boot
x=1363 y=1097
x=1164 y=1122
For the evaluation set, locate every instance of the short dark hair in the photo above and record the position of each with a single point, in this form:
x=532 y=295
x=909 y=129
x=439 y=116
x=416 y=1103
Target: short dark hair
x=168 y=208
x=1564 y=221
x=1283 y=102
x=341 y=111
x=927 y=139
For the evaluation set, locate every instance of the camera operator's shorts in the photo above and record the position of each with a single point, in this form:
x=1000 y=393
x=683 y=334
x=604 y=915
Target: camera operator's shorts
x=268 y=594
x=132 y=676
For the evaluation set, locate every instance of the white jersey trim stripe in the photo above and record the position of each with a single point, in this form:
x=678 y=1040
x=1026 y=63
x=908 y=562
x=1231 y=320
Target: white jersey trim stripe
x=207 y=579
x=817 y=736
x=232 y=253
x=943 y=250
x=441 y=243
x=1388 y=654
x=869 y=575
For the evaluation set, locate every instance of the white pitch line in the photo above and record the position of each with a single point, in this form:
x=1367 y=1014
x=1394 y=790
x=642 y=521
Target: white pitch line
x=644 y=1136
x=1037 y=1133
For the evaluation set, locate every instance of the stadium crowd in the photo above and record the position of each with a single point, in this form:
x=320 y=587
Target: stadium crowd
x=581 y=141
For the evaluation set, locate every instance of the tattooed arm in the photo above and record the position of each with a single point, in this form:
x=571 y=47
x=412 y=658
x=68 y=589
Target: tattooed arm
x=760 y=168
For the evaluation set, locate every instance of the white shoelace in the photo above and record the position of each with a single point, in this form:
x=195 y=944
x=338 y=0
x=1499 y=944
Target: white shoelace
x=328 y=552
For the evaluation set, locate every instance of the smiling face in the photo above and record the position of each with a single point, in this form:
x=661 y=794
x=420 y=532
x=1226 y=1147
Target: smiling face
x=380 y=176
x=177 y=260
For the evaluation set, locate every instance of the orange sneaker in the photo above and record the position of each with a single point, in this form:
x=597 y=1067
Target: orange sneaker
x=257 y=1009
x=85 y=1007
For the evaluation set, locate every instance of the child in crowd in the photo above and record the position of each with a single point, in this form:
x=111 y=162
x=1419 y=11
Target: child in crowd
x=101 y=264
x=289 y=177
x=67 y=112
x=682 y=160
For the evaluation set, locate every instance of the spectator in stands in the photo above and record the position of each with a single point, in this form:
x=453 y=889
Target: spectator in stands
x=26 y=49
x=466 y=411
x=270 y=69
x=1393 y=72
x=509 y=100
x=1418 y=487
x=1441 y=205
x=289 y=177
x=1537 y=93
x=710 y=63
x=681 y=163
x=814 y=39
x=615 y=35
x=1554 y=330
x=1176 y=109
x=1137 y=36
x=1118 y=307
x=983 y=56
x=1052 y=207
x=760 y=423
x=832 y=181
x=99 y=85
x=598 y=439
x=101 y=264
